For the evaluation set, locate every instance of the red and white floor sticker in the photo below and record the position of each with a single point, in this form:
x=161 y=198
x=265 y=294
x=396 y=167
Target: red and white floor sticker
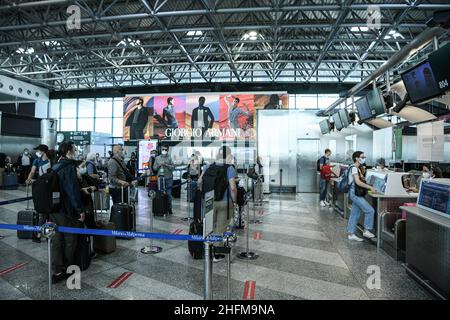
x=121 y=279
x=249 y=290
x=13 y=268
x=177 y=231
x=257 y=236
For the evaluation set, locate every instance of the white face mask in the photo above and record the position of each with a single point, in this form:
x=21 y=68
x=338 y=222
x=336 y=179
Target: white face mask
x=38 y=154
x=83 y=170
x=426 y=175
x=164 y=152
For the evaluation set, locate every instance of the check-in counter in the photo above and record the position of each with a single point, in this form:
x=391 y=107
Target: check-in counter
x=428 y=237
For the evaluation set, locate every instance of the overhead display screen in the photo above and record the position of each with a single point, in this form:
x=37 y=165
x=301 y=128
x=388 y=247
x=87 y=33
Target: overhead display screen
x=421 y=83
x=324 y=126
x=439 y=62
x=376 y=102
x=337 y=121
x=345 y=117
x=363 y=108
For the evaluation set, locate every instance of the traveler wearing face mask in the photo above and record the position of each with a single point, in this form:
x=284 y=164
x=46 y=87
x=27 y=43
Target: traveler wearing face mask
x=137 y=121
x=132 y=164
x=323 y=184
x=359 y=203
x=24 y=162
x=119 y=176
x=41 y=164
x=91 y=167
x=165 y=166
x=71 y=211
x=194 y=167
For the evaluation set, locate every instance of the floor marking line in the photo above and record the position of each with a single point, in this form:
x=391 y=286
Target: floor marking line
x=123 y=280
x=13 y=268
x=117 y=279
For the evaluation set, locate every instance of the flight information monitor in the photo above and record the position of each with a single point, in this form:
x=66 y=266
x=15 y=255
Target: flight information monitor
x=364 y=111
x=439 y=62
x=345 y=117
x=376 y=102
x=337 y=121
x=420 y=83
x=435 y=197
x=324 y=126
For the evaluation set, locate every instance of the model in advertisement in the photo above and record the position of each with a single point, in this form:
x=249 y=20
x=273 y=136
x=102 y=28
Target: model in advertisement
x=234 y=111
x=137 y=121
x=202 y=117
x=169 y=116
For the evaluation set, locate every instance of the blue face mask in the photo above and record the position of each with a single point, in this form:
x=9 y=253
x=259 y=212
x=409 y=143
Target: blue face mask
x=362 y=160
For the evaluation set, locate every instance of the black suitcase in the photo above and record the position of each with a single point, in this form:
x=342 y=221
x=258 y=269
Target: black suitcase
x=10 y=181
x=198 y=205
x=191 y=190
x=101 y=243
x=160 y=203
x=27 y=217
x=196 y=248
x=83 y=251
x=176 y=189
x=123 y=216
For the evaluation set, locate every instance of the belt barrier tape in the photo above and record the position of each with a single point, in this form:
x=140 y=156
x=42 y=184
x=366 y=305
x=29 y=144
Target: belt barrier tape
x=3 y=203
x=116 y=233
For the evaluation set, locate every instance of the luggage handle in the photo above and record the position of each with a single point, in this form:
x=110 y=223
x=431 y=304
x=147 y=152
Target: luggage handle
x=28 y=193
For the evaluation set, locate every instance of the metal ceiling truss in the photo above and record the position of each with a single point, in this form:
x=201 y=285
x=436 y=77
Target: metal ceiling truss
x=143 y=42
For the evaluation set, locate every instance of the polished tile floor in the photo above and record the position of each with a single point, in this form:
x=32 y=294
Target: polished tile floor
x=303 y=254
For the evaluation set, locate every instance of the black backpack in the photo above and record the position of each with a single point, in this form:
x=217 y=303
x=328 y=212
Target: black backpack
x=318 y=164
x=215 y=178
x=46 y=192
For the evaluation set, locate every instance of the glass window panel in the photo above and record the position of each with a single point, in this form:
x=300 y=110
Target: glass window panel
x=86 y=108
x=325 y=100
x=306 y=101
x=118 y=107
x=85 y=124
x=54 y=109
x=103 y=108
x=103 y=125
x=292 y=104
x=69 y=124
x=117 y=127
x=69 y=108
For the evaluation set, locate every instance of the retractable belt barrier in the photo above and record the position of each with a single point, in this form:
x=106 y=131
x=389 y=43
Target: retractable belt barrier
x=116 y=233
x=4 y=203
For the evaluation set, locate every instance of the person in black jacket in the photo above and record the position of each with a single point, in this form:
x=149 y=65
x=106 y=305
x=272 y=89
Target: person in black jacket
x=71 y=212
x=202 y=117
x=137 y=121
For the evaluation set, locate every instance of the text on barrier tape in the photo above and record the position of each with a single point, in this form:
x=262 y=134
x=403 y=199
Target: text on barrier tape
x=115 y=233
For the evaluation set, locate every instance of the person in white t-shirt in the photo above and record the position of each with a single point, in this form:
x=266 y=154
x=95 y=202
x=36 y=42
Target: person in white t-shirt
x=359 y=203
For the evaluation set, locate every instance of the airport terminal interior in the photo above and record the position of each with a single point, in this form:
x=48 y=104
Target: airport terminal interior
x=224 y=150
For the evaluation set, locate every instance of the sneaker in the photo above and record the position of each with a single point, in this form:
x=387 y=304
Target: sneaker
x=59 y=277
x=327 y=203
x=322 y=204
x=218 y=257
x=170 y=211
x=367 y=234
x=354 y=238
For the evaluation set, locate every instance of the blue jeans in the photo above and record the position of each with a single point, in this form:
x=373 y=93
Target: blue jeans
x=359 y=204
x=323 y=185
x=168 y=184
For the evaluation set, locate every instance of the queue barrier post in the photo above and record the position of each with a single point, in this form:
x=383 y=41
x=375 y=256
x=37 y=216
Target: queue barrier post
x=48 y=231
x=151 y=249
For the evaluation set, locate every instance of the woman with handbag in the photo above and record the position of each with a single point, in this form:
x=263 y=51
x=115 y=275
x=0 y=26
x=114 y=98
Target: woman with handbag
x=357 y=192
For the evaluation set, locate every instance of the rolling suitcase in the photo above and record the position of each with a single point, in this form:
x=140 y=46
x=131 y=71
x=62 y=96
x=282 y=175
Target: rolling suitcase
x=10 y=181
x=191 y=190
x=82 y=256
x=101 y=243
x=27 y=217
x=198 y=205
x=123 y=216
x=176 y=189
x=160 y=203
x=196 y=247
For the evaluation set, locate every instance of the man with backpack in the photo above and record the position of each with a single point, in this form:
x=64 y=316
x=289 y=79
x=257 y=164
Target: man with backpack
x=323 y=166
x=220 y=177
x=70 y=211
x=119 y=176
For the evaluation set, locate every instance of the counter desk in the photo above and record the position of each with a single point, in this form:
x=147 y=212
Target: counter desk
x=428 y=249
